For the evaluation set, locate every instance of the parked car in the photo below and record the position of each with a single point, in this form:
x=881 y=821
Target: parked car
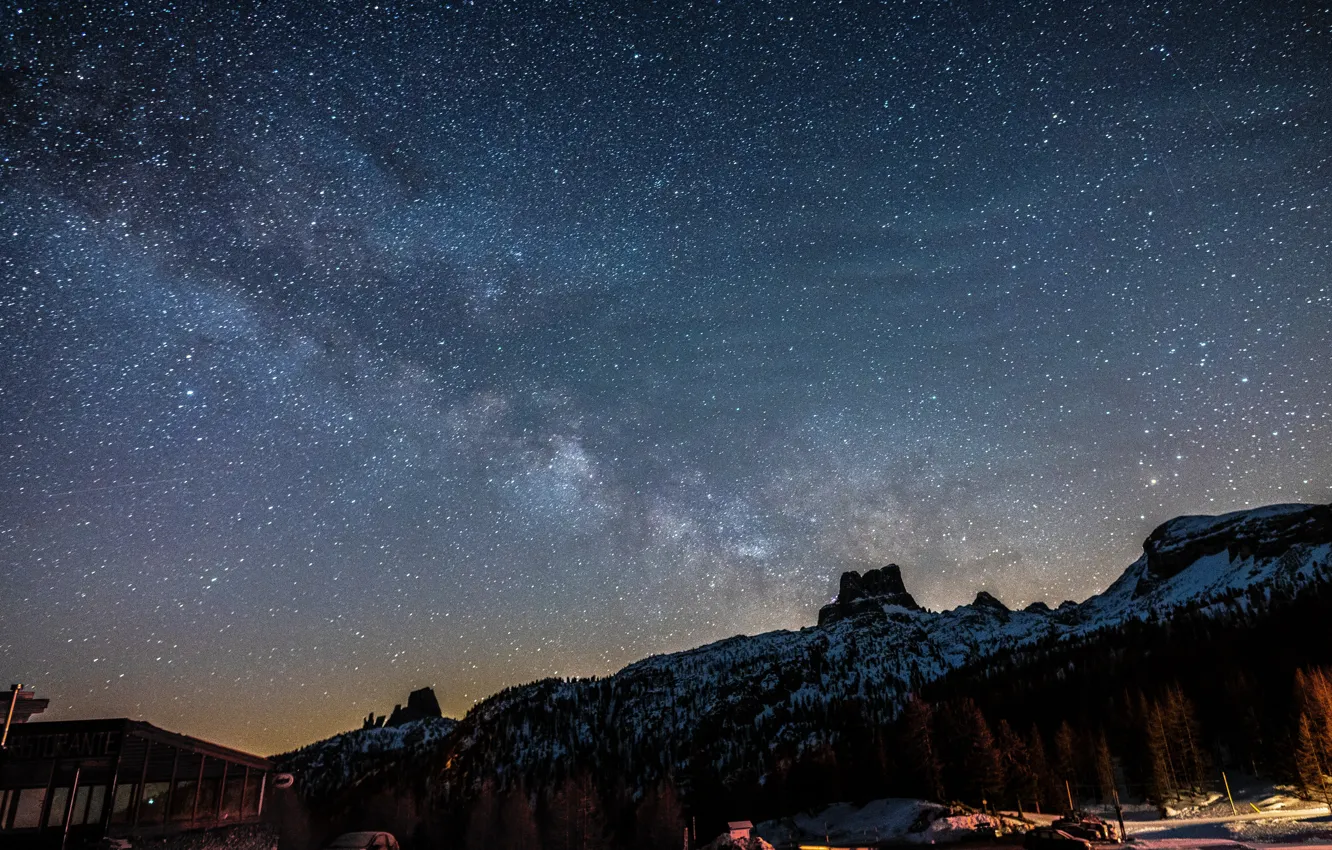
x=363 y=841
x=1087 y=826
x=1054 y=839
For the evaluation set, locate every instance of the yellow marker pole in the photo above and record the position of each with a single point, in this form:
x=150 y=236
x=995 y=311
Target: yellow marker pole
x=1069 y=790
x=1228 y=797
x=1255 y=808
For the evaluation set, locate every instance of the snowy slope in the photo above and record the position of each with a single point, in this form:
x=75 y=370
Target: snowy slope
x=344 y=761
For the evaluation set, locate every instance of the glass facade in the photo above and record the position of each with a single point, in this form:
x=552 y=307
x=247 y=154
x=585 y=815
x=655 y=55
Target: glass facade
x=79 y=781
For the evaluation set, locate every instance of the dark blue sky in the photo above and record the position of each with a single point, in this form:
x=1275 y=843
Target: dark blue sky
x=348 y=348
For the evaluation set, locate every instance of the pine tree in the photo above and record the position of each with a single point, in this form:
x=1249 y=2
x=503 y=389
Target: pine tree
x=1047 y=794
x=1163 y=784
x=1105 y=767
x=1308 y=761
x=483 y=821
x=921 y=757
x=1019 y=778
x=1066 y=764
x=1181 y=721
x=982 y=757
x=659 y=819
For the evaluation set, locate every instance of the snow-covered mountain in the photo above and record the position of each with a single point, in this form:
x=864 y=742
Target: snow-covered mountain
x=741 y=712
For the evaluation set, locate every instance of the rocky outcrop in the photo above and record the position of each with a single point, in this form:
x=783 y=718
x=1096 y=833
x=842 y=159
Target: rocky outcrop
x=421 y=705
x=868 y=593
x=1261 y=533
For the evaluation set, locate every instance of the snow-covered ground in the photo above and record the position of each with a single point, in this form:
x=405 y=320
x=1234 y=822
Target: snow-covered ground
x=892 y=820
x=1300 y=826
x=1264 y=816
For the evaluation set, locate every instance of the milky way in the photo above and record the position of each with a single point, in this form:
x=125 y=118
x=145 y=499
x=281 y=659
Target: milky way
x=350 y=348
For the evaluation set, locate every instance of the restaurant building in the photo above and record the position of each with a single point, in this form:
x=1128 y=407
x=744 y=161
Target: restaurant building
x=70 y=784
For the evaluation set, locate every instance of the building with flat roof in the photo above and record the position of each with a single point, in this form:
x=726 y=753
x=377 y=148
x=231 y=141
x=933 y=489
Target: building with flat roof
x=69 y=784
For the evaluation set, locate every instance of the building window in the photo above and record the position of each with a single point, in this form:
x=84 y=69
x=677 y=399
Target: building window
x=88 y=804
x=253 y=786
x=122 y=809
x=28 y=811
x=182 y=799
x=231 y=797
x=59 y=802
x=153 y=810
x=208 y=798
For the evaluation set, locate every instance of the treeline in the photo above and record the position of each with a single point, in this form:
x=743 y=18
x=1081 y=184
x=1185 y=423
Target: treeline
x=1173 y=701
x=1152 y=746
x=952 y=751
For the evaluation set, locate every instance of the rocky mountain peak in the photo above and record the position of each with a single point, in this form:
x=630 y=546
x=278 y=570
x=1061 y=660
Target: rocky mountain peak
x=985 y=600
x=860 y=594
x=1262 y=532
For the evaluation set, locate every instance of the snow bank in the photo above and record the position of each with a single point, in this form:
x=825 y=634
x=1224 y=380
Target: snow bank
x=892 y=819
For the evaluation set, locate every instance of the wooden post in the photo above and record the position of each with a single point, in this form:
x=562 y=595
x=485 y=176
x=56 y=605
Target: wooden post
x=1228 y=797
x=9 y=717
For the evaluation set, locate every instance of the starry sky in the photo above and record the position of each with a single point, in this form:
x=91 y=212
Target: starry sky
x=348 y=348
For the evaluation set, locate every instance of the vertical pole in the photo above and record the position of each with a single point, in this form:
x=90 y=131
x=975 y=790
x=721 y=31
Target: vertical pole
x=263 y=786
x=69 y=807
x=9 y=716
x=1119 y=810
x=1228 y=797
x=1069 y=790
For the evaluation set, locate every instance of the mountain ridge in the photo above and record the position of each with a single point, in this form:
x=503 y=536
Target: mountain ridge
x=738 y=718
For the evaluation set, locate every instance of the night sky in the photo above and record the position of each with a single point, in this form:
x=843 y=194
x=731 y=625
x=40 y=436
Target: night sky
x=351 y=348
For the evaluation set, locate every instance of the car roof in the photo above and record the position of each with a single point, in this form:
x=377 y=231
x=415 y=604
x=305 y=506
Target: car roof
x=357 y=840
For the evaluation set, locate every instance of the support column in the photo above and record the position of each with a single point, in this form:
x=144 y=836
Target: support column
x=109 y=801
x=222 y=792
x=45 y=813
x=143 y=779
x=171 y=786
x=198 y=790
x=245 y=782
x=69 y=807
